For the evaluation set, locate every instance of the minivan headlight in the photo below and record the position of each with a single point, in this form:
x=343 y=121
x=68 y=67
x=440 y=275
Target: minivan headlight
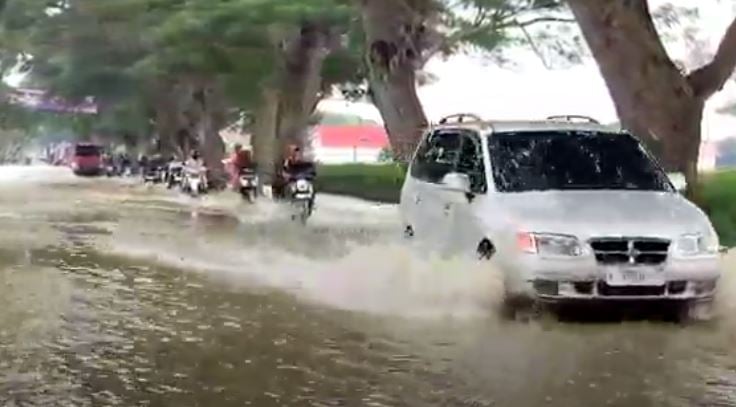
x=547 y=244
x=696 y=244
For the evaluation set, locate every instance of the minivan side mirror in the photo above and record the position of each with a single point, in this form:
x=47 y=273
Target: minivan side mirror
x=455 y=181
x=678 y=180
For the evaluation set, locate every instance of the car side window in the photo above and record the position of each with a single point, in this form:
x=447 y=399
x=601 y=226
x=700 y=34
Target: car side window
x=437 y=156
x=471 y=163
x=417 y=166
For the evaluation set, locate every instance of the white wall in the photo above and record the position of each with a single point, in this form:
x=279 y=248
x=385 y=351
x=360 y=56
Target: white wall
x=336 y=105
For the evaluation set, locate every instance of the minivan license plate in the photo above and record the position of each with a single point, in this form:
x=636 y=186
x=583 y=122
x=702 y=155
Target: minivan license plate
x=634 y=276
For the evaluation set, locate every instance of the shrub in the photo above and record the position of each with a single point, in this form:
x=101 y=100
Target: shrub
x=379 y=182
x=718 y=200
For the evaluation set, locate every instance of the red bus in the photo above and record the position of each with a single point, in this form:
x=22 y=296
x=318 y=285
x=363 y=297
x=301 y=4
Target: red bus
x=86 y=159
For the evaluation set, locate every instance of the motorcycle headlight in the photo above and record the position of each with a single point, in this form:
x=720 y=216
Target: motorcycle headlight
x=549 y=245
x=697 y=244
x=302 y=185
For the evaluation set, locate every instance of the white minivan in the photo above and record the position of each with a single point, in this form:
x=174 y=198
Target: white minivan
x=569 y=211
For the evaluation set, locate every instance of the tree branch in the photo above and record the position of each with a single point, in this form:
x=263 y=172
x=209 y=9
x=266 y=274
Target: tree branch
x=536 y=50
x=545 y=20
x=711 y=78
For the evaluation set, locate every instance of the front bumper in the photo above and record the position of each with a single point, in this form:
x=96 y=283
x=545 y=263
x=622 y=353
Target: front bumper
x=89 y=171
x=580 y=280
x=563 y=291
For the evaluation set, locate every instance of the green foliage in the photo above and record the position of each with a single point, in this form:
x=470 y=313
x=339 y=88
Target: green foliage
x=718 y=200
x=120 y=51
x=490 y=24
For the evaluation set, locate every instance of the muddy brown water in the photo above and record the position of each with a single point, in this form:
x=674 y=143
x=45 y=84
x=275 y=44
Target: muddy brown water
x=116 y=294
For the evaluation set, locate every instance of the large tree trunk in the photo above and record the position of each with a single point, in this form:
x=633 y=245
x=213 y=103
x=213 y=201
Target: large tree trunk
x=265 y=143
x=166 y=128
x=211 y=122
x=393 y=58
x=201 y=103
x=169 y=119
x=654 y=100
x=301 y=84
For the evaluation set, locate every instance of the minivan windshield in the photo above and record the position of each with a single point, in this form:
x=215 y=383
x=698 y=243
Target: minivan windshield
x=573 y=160
x=87 y=150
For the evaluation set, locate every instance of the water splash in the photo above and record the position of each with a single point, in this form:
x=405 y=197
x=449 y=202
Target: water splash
x=725 y=304
x=379 y=278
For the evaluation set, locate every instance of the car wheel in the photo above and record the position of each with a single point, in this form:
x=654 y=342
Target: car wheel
x=485 y=250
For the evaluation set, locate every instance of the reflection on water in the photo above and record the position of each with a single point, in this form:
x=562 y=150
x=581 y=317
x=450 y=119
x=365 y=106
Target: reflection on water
x=115 y=295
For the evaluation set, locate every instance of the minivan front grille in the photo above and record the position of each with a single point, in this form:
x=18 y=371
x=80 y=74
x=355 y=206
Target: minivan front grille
x=630 y=291
x=640 y=251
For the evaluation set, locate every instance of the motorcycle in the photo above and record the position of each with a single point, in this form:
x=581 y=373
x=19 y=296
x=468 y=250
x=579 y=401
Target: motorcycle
x=194 y=181
x=153 y=174
x=110 y=170
x=301 y=196
x=248 y=184
x=174 y=173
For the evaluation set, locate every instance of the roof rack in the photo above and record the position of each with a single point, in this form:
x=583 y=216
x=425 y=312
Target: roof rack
x=460 y=118
x=573 y=118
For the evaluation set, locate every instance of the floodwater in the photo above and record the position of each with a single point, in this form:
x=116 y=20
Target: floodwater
x=112 y=293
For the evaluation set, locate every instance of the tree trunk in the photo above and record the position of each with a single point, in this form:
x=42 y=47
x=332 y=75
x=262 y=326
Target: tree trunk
x=654 y=100
x=301 y=85
x=211 y=122
x=392 y=59
x=167 y=120
x=265 y=148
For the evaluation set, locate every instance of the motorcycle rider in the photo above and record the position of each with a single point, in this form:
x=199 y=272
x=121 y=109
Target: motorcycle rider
x=143 y=162
x=124 y=163
x=195 y=165
x=295 y=165
x=194 y=162
x=240 y=160
x=296 y=162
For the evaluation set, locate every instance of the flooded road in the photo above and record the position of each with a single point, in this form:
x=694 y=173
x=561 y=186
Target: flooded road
x=116 y=294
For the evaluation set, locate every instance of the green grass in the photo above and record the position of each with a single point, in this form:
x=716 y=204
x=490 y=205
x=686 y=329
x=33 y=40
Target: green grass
x=382 y=183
